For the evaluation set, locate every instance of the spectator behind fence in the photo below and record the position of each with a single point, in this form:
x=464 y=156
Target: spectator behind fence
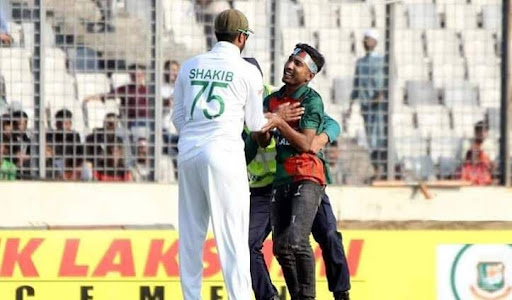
x=135 y=107
x=142 y=170
x=369 y=88
x=63 y=140
x=19 y=131
x=113 y=167
x=6 y=125
x=76 y=168
x=478 y=167
x=171 y=69
x=7 y=167
x=62 y=144
x=95 y=143
x=21 y=143
x=5 y=37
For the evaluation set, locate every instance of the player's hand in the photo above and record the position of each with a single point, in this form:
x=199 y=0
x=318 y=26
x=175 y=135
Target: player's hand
x=290 y=112
x=319 y=142
x=273 y=121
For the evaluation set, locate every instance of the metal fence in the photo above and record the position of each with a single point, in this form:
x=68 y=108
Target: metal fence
x=416 y=85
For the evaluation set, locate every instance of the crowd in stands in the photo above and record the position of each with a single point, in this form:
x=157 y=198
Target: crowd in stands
x=121 y=150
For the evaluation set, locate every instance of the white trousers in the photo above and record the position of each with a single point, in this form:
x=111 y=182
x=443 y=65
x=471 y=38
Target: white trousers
x=214 y=183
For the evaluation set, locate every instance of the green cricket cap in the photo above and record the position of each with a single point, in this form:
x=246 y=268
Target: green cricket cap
x=232 y=21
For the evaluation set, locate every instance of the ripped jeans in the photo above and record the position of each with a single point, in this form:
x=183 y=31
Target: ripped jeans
x=294 y=208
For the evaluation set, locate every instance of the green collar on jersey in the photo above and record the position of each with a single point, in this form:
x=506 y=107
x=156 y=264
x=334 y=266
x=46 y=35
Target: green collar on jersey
x=297 y=94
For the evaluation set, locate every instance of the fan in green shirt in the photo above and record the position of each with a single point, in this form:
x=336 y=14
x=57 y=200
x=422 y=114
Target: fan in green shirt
x=330 y=132
x=299 y=163
x=262 y=171
x=300 y=174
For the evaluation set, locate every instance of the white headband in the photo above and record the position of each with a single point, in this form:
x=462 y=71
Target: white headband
x=304 y=56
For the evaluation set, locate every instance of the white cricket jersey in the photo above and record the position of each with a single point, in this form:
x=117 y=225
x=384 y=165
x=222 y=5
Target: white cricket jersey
x=214 y=93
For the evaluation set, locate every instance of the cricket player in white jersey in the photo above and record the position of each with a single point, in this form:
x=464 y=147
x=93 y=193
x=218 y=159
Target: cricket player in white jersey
x=214 y=94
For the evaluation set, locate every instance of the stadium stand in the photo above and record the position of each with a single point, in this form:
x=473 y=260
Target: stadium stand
x=442 y=59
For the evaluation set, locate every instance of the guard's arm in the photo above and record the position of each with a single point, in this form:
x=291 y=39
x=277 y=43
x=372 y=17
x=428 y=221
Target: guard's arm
x=251 y=147
x=330 y=133
x=331 y=128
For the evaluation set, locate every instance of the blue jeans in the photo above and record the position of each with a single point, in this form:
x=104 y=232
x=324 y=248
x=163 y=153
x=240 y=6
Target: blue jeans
x=259 y=229
x=331 y=242
x=294 y=208
x=324 y=231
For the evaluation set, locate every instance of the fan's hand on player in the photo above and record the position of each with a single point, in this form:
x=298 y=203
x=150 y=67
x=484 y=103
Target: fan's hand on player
x=290 y=112
x=273 y=121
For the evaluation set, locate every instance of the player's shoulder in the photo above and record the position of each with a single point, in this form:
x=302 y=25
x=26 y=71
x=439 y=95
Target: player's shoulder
x=191 y=62
x=251 y=71
x=312 y=98
x=311 y=95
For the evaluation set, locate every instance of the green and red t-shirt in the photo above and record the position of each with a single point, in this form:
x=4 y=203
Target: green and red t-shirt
x=293 y=166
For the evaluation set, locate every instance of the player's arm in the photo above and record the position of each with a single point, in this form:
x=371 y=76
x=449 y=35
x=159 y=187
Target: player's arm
x=301 y=140
x=331 y=131
x=178 y=113
x=312 y=118
x=257 y=122
x=254 y=118
x=263 y=134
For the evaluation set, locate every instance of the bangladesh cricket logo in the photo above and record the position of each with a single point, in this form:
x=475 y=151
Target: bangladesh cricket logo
x=482 y=272
x=491 y=276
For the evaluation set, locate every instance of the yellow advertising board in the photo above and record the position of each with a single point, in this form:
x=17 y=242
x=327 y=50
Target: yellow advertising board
x=143 y=264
